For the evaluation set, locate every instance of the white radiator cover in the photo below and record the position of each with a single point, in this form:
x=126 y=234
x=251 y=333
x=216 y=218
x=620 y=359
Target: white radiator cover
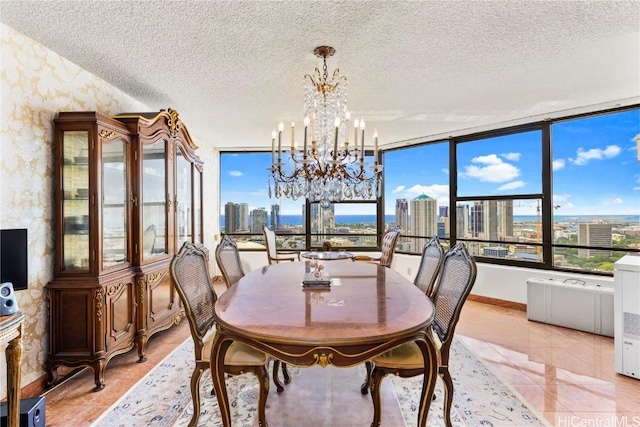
x=571 y=303
x=626 y=274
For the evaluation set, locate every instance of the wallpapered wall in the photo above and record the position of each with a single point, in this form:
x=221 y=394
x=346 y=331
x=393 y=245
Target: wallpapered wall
x=35 y=84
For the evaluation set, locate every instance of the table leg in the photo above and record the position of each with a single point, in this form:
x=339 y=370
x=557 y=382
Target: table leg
x=13 y=354
x=429 y=355
x=218 y=351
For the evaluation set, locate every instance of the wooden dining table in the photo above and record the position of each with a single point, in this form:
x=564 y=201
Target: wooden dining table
x=367 y=310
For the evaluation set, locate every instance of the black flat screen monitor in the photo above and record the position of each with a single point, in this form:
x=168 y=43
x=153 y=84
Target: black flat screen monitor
x=14 y=266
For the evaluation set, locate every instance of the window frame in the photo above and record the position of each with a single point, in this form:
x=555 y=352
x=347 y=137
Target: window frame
x=545 y=196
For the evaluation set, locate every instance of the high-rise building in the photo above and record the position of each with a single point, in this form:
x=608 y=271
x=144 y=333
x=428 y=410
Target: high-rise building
x=443 y=226
x=258 y=219
x=323 y=220
x=591 y=234
x=477 y=220
x=443 y=211
x=490 y=221
x=241 y=217
x=229 y=218
x=402 y=214
x=462 y=221
x=275 y=217
x=424 y=220
x=505 y=219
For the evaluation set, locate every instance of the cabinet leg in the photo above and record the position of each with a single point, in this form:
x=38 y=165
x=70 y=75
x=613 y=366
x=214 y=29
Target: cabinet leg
x=52 y=375
x=141 y=342
x=98 y=371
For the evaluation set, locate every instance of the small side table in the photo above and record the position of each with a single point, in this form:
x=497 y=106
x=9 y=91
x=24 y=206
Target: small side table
x=327 y=256
x=11 y=333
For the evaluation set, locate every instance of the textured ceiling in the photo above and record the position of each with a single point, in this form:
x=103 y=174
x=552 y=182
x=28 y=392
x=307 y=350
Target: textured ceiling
x=234 y=69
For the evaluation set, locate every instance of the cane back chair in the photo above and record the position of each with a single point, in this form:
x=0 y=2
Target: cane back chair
x=190 y=273
x=456 y=278
x=228 y=260
x=430 y=264
x=387 y=249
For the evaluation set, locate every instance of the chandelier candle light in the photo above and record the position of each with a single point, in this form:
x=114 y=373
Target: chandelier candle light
x=330 y=170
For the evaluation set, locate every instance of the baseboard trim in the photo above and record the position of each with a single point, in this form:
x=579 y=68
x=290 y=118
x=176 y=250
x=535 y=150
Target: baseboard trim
x=498 y=302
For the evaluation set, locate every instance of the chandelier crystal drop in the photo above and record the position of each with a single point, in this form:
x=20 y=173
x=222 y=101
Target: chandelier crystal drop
x=328 y=167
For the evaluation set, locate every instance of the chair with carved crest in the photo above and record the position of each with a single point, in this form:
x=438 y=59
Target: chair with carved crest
x=228 y=259
x=430 y=263
x=190 y=273
x=388 y=249
x=456 y=278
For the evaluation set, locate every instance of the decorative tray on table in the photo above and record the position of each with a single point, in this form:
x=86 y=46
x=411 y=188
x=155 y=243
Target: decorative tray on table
x=313 y=281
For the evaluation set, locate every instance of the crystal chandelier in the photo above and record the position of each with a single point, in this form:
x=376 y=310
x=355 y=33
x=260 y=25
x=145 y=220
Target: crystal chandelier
x=329 y=168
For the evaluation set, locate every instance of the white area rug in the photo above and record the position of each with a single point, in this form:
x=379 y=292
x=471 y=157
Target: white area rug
x=162 y=398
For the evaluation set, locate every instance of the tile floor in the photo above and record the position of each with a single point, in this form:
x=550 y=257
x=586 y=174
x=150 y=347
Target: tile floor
x=567 y=376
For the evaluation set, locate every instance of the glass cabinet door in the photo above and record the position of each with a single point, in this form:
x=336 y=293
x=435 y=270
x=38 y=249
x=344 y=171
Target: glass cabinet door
x=114 y=203
x=184 y=198
x=154 y=199
x=197 y=206
x=75 y=196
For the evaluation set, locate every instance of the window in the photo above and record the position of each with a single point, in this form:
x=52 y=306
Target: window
x=416 y=193
x=596 y=190
x=245 y=206
x=560 y=194
x=499 y=194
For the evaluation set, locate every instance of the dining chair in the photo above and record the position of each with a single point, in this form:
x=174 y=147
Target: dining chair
x=430 y=264
x=190 y=273
x=228 y=260
x=388 y=249
x=456 y=278
x=273 y=254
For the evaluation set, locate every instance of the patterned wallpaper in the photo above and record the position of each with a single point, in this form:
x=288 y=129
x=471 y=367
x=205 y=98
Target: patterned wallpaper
x=35 y=84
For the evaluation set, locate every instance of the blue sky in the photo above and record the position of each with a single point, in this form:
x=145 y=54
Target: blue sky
x=595 y=162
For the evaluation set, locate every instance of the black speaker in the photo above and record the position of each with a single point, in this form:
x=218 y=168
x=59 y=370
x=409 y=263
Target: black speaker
x=32 y=413
x=8 y=304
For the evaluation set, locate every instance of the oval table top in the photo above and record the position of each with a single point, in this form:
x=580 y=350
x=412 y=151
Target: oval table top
x=366 y=303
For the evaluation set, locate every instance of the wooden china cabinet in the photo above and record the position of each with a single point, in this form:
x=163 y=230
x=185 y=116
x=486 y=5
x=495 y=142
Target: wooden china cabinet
x=128 y=194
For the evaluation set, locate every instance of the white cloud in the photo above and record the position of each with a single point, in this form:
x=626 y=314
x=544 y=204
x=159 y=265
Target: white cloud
x=445 y=171
x=583 y=157
x=560 y=198
x=636 y=188
x=398 y=189
x=494 y=169
x=514 y=157
x=511 y=185
x=235 y=173
x=435 y=191
x=558 y=164
x=616 y=201
x=491 y=159
x=568 y=205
